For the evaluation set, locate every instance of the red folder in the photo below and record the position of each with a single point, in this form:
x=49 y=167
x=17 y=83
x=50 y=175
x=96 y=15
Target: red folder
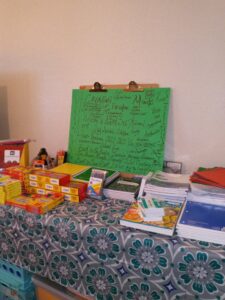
x=214 y=176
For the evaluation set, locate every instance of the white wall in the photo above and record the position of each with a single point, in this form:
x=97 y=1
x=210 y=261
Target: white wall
x=49 y=47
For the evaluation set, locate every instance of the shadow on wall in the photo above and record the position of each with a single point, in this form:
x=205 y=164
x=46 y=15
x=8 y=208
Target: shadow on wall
x=4 y=119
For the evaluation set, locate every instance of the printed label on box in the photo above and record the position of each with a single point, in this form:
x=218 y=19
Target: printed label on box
x=54 y=181
x=11 y=156
x=49 y=187
x=33 y=177
x=33 y=183
x=40 y=191
x=65 y=189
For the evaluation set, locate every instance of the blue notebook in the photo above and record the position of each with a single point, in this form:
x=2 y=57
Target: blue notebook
x=203 y=215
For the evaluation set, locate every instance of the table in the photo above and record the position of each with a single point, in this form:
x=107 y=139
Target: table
x=82 y=246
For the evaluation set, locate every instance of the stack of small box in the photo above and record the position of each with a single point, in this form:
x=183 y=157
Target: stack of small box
x=38 y=204
x=74 y=191
x=9 y=188
x=20 y=173
x=2 y=193
x=41 y=182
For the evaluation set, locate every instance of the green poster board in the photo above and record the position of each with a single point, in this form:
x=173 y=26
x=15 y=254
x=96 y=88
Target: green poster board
x=119 y=130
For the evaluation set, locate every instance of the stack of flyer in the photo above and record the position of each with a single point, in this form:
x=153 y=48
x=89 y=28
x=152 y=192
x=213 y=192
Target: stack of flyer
x=202 y=221
x=210 y=176
x=152 y=214
x=123 y=188
x=208 y=186
x=165 y=185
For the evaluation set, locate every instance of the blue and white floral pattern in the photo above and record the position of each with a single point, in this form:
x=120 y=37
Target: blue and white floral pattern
x=64 y=232
x=200 y=273
x=142 y=290
x=8 y=246
x=103 y=243
x=32 y=257
x=101 y=283
x=64 y=269
x=148 y=258
x=7 y=217
x=82 y=246
x=30 y=224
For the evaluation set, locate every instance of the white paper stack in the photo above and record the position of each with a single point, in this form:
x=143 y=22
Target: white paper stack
x=166 y=185
x=207 y=194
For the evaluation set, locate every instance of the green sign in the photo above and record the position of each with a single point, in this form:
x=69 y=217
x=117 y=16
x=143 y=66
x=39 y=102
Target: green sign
x=119 y=130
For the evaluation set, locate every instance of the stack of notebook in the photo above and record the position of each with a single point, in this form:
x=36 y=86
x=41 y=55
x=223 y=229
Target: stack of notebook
x=202 y=221
x=208 y=186
x=152 y=215
x=122 y=188
x=165 y=185
x=213 y=177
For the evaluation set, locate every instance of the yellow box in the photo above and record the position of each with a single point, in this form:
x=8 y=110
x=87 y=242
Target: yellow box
x=2 y=198
x=70 y=169
x=43 y=179
x=69 y=190
x=40 y=191
x=71 y=198
x=37 y=184
x=51 y=187
x=3 y=177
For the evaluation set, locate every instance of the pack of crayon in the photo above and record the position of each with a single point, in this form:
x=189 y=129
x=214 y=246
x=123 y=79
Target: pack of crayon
x=95 y=184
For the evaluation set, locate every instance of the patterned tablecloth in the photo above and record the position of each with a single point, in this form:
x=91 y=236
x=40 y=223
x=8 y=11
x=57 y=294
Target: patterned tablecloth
x=83 y=247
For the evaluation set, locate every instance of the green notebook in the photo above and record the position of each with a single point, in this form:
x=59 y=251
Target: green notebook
x=85 y=176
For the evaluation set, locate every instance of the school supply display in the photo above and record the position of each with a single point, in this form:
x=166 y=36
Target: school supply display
x=124 y=188
x=95 y=184
x=152 y=215
x=203 y=222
